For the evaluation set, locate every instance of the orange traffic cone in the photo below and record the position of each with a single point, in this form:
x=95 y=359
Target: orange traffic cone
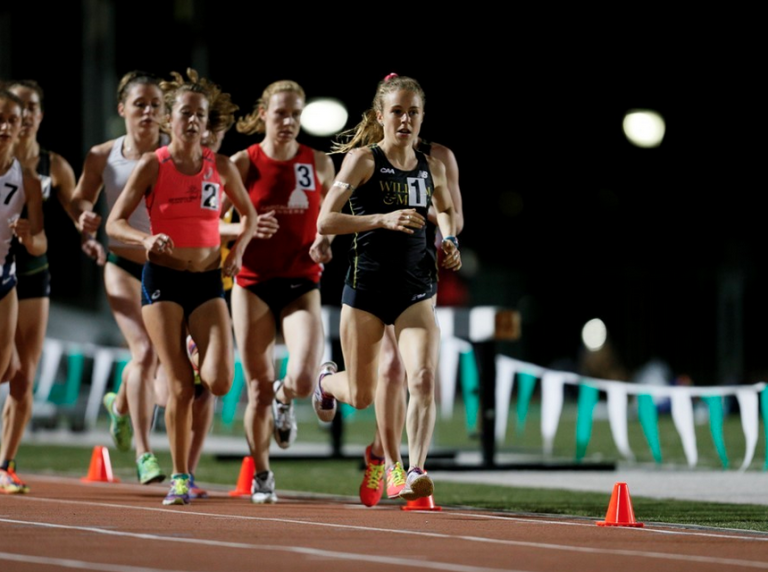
x=424 y=503
x=245 y=480
x=620 y=511
x=101 y=468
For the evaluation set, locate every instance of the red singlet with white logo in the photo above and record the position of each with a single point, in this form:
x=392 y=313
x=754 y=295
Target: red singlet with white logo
x=186 y=207
x=291 y=189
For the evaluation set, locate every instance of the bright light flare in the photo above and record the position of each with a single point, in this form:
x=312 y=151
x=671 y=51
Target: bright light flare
x=594 y=334
x=324 y=116
x=644 y=128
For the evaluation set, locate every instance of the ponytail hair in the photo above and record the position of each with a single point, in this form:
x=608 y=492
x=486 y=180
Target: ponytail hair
x=369 y=130
x=221 y=109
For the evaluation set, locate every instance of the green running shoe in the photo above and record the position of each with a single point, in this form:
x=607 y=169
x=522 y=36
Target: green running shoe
x=179 y=493
x=148 y=469
x=119 y=425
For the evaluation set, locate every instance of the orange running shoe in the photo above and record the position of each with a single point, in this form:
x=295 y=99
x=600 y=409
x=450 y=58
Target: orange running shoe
x=196 y=492
x=395 y=480
x=10 y=483
x=372 y=486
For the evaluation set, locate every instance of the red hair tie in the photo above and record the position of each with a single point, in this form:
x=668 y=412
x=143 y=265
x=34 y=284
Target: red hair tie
x=390 y=76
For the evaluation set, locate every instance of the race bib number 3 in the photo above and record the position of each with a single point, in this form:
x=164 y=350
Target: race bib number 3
x=305 y=176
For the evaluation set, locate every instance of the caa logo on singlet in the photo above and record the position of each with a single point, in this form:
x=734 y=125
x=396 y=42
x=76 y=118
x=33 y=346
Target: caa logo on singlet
x=387 y=171
x=423 y=174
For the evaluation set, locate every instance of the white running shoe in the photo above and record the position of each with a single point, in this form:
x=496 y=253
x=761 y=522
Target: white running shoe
x=325 y=405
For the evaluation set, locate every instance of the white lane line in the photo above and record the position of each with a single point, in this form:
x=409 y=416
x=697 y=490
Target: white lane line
x=78 y=564
x=732 y=534
x=462 y=514
x=311 y=552
x=411 y=533
x=590 y=524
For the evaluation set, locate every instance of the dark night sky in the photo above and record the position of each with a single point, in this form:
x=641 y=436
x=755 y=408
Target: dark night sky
x=567 y=220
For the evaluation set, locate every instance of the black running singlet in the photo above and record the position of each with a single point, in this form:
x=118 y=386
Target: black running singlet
x=387 y=260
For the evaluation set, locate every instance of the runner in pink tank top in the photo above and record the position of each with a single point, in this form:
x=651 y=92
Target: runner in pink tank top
x=181 y=280
x=186 y=207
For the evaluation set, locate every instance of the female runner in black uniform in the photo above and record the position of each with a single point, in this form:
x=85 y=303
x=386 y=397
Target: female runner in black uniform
x=391 y=279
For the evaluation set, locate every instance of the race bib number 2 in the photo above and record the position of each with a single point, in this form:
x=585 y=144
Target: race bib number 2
x=210 y=196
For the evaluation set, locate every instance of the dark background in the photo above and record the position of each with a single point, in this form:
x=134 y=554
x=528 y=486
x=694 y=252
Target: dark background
x=565 y=220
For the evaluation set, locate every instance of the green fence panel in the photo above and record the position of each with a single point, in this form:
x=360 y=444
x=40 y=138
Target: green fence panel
x=282 y=367
x=117 y=380
x=470 y=388
x=649 y=421
x=587 y=399
x=526 y=382
x=231 y=400
x=715 y=404
x=66 y=393
x=764 y=410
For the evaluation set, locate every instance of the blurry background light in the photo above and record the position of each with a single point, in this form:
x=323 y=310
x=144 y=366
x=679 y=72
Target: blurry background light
x=644 y=128
x=594 y=334
x=324 y=116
